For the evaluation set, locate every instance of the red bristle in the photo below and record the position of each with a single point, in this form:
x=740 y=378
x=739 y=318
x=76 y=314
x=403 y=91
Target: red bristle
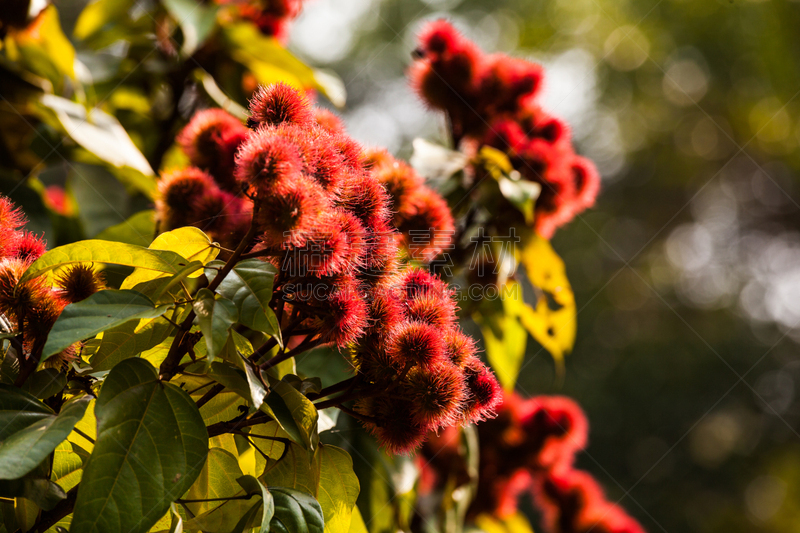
x=18 y=298
x=375 y=158
x=292 y=209
x=343 y=316
x=417 y=344
x=506 y=82
x=334 y=246
x=278 y=104
x=506 y=135
x=563 y=496
x=385 y=310
x=178 y=190
x=328 y=120
x=416 y=283
x=485 y=391
x=331 y=170
x=363 y=196
x=27 y=247
x=264 y=158
x=377 y=365
x=459 y=347
x=11 y=217
x=426 y=224
x=305 y=139
x=436 y=394
x=439 y=37
x=432 y=309
x=401 y=181
x=351 y=150
x=394 y=429
x=210 y=140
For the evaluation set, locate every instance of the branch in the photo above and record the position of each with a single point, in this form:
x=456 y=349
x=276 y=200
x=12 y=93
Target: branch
x=63 y=508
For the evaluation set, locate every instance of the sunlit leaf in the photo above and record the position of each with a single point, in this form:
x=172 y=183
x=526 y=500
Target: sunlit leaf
x=504 y=336
x=45 y=38
x=436 y=162
x=99 y=133
x=294 y=412
x=552 y=319
x=123 y=341
x=138 y=229
x=98 y=14
x=215 y=316
x=253 y=486
x=101 y=311
x=295 y=512
x=196 y=22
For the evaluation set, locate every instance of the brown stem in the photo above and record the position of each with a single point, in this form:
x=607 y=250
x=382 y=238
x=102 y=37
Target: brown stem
x=177 y=350
x=283 y=356
x=213 y=391
x=220 y=428
x=344 y=385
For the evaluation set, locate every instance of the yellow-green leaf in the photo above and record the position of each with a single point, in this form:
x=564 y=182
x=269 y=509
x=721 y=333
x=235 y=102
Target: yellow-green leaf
x=503 y=335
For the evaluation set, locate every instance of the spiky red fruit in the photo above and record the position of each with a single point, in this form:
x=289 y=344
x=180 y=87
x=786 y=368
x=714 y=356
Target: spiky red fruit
x=278 y=104
x=426 y=224
x=27 y=247
x=459 y=348
x=436 y=394
x=586 y=181
x=292 y=209
x=485 y=392
x=342 y=316
x=556 y=427
x=210 y=140
x=264 y=158
x=328 y=120
x=395 y=430
x=417 y=344
x=432 y=309
x=178 y=192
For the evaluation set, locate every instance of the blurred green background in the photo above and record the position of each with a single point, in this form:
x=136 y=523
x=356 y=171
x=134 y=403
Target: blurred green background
x=687 y=272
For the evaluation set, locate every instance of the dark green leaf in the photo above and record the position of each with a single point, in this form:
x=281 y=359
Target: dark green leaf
x=294 y=412
x=215 y=316
x=39 y=490
x=18 y=410
x=138 y=229
x=45 y=383
x=249 y=286
x=22 y=451
x=151 y=446
x=101 y=311
x=295 y=512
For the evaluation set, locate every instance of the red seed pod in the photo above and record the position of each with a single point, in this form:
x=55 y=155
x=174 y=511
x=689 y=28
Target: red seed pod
x=377 y=365
x=331 y=170
x=555 y=427
x=11 y=219
x=539 y=124
x=351 y=150
x=564 y=496
x=426 y=224
x=328 y=120
x=292 y=210
x=27 y=247
x=210 y=140
x=264 y=158
x=363 y=196
x=278 y=104
x=39 y=319
x=385 y=310
x=178 y=190
x=306 y=140
x=335 y=246
x=401 y=181
x=506 y=82
x=78 y=282
x=381 y=253
x=375 y=158
x=342 y=316
x=459 y=348
x=485 y=392
x=394 y=429
x=416 y=344
x=435 y=394
x=432 y=309
x=586 y=181
x=507 y=135
x=64 y=358
x=608 y=518
x=18 y=299
x=415 y=283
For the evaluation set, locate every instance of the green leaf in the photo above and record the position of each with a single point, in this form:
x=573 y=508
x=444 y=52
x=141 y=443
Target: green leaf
x=101 y=311
x=45 y=39
x=522 y=194
x=98 y=14
x=114 y=253
x=552 y=321
x=68 y=462
x=338 y=488
x=151 y=446
x=138 y=229
x=124 y=341
x=215 y=316
x=18 y=410
x=188 y=242
x=504 y=337
x=435 y=162
x=196 y=22
x=249 y=286
x=22 y=451
x=39 y=490
x=294 y=412
x=295 y=512
x=45 y=383
x=99 y=133
x=254 y=486
x=270 y=62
